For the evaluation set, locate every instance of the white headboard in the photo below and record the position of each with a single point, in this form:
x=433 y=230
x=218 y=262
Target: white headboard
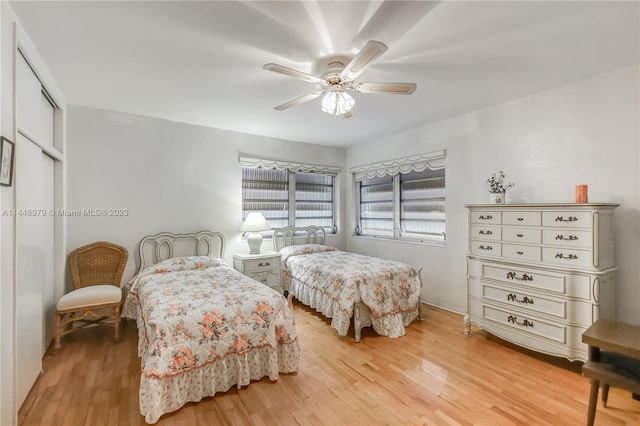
x=165 y=245
x=288 y=236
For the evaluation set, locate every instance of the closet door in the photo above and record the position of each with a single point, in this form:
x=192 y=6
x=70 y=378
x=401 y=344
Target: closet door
x=34 y=259
x=34 y=191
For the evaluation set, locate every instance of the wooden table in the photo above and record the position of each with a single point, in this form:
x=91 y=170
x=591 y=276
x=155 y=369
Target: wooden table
x=616 y=338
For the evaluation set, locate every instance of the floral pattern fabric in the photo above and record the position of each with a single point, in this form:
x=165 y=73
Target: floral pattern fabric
x=204 y=327
x=332 y=281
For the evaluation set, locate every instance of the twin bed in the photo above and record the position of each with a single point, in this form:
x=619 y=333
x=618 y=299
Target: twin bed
x=203 y=327
x=374 y=292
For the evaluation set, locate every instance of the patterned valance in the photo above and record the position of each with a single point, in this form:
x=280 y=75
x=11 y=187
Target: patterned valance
x=432 y=160
x=254 y=163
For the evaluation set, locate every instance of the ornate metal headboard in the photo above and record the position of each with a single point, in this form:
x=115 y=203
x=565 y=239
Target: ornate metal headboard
x=165 y=245
x=288 y=236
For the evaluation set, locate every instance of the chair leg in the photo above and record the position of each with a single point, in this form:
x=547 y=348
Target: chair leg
x=593 y=401
x=58 y=331
x=117 y=324
x=605 y=394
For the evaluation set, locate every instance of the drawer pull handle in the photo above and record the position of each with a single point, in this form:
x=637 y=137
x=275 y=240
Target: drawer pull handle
x=487 y=217
x=483 y=232
x=569 y=219
x=519 y=235
x=514 y=298
x=524 y=277
x=520 y=253
x=520 y=219
x=485 y=248
x=569 y=238
x=524 y=323
x=568 y=257
x=265 y=264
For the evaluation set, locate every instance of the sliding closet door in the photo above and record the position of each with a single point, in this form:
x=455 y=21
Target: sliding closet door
x=34 y=258
x=34 y=191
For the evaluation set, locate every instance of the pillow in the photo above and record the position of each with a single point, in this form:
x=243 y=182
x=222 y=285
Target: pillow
x=299 y=249
x=183 y=264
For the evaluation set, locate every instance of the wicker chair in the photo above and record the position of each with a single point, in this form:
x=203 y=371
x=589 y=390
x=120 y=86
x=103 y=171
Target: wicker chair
x=96 y=271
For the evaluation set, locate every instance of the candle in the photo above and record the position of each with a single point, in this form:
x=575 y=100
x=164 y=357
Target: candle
x=582 y=193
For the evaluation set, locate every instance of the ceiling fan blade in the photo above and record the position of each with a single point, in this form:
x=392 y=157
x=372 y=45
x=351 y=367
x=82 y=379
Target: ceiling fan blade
x=391 y=88
x=298 y=101
x=293 y=73
x=369 y=53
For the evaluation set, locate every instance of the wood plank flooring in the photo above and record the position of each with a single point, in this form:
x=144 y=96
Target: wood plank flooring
x=434 y=376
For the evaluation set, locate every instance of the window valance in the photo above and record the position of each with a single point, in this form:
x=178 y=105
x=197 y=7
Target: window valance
x=416 y=163
x=254 y=163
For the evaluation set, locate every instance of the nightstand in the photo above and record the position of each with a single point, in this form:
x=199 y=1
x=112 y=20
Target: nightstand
x=263 y=267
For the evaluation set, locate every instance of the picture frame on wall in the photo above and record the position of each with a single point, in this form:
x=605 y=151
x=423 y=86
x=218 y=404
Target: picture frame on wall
x=7 y=149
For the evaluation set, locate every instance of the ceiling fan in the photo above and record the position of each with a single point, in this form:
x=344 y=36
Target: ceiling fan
x=338 y=79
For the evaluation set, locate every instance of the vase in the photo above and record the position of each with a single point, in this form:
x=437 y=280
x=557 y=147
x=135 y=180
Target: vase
x=497 y=197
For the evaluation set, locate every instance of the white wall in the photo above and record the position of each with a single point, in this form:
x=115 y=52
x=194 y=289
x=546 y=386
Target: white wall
x=587 y=132
x=169 y=176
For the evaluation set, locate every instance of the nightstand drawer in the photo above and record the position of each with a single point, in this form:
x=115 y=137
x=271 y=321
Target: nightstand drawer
x=257 y=264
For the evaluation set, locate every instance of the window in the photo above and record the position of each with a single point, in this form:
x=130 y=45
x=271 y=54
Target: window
x=403 y=199
x=287 y=195
x=266 y=191
x=376 y=206
x=422 y=196
x=314 y=200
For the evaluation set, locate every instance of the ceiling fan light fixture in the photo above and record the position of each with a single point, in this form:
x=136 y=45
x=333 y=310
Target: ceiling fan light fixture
x=336 y=102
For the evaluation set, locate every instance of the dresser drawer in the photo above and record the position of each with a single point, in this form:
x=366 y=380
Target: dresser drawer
x=567 y=219
x=480 y=232
x=522 y=235
x=525 y=323
x=571 y=285
x=574 y=312
x=567 y=257
x=521 y=218
x=567 y=238
x=526 y=253
x=486 y=217
x=486 y=248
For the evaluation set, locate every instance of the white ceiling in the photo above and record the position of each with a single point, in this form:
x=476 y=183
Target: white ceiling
x=201 y=62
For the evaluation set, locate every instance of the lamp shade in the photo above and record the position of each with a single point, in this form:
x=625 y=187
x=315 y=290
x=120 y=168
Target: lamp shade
x=255 y=222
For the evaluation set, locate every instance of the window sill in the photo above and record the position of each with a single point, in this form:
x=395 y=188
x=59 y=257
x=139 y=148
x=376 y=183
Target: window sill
x=403 y=241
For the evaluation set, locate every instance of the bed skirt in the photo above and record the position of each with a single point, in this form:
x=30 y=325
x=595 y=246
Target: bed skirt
x=390 y=325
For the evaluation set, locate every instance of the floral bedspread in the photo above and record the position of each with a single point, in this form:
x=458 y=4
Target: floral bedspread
x=204 y=327
x=330 y=281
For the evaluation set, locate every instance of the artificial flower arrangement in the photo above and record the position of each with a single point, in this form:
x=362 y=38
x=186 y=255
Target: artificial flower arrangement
x=497 y=185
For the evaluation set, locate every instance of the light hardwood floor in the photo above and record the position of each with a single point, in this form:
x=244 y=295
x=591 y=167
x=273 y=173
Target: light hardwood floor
x=433 y=375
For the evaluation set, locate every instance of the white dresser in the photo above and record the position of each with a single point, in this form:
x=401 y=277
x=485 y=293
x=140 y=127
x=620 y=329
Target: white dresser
x=538 y=275
x=263 y=267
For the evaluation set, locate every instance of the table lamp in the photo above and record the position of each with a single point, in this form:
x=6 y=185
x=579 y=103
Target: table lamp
x=253 y=224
